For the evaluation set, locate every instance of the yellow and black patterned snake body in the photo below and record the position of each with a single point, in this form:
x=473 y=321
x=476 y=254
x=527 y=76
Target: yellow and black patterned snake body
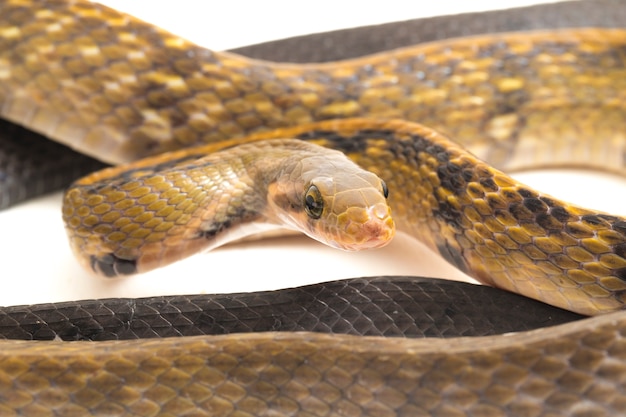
x=120 y=89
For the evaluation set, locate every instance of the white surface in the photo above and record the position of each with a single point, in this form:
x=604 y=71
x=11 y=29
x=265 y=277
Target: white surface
x=38 y=266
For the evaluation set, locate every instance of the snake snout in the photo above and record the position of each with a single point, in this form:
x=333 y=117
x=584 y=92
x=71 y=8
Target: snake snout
x=370 y=228
x=380 y=227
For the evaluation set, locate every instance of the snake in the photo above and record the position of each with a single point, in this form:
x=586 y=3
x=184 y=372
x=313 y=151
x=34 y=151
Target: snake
x=114 y=87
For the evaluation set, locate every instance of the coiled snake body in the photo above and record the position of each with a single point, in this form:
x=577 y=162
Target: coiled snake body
x=120 y=90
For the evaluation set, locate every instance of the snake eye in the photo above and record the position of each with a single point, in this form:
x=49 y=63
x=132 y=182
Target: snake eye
x=385 y=189
x=313 y=202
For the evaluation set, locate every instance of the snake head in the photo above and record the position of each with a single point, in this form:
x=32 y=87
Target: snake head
x=334 y=201
x=357 y=215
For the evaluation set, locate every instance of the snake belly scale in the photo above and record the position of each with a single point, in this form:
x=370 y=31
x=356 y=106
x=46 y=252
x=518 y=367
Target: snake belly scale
x=119 y=89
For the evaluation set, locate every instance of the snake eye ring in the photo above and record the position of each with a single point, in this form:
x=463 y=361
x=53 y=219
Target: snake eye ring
x=313 y=202
x=385 y=188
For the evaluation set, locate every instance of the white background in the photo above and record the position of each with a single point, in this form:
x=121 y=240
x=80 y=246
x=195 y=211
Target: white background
x=36 y=261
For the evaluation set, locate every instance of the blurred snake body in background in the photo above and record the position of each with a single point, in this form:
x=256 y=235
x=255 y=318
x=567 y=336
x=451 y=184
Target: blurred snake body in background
x=118 y=89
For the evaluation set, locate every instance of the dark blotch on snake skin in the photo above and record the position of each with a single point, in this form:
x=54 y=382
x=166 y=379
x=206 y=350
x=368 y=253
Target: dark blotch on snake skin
x=452 y=255
x=346 y=144
x=112 y=266
x=237 y=216
x=561 y=214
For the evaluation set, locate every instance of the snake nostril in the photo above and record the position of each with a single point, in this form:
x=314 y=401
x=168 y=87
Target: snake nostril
x=379 y=211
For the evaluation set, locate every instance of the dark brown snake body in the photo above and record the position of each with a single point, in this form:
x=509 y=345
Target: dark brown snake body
x=499 y=95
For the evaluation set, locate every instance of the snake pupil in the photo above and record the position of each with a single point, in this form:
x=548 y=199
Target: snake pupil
x=313 y=202
x=385 y=189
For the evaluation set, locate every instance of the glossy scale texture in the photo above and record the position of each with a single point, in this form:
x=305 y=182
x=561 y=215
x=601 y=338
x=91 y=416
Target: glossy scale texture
x=499 y=95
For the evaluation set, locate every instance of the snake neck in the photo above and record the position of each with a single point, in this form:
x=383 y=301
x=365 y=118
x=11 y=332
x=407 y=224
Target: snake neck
x=199 y=203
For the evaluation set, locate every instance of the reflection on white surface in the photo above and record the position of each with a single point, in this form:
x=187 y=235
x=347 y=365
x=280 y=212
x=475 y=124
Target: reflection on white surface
x=38 y=266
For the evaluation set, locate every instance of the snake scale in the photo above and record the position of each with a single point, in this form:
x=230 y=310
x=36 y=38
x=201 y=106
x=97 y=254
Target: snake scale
x=62 y=68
